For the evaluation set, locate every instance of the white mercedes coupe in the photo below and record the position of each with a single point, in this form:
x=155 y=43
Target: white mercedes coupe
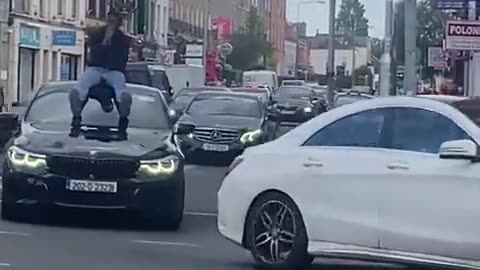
x=393 y=179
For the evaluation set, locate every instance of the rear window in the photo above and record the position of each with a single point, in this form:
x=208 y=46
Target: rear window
x=138 y=77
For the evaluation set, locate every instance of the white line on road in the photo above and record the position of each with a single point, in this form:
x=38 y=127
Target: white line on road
x=201 y=214
x=164 y=243
x=15 y=233
x=5 y=265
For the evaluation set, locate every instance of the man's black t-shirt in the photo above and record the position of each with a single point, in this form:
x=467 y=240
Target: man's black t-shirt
x=114 y=55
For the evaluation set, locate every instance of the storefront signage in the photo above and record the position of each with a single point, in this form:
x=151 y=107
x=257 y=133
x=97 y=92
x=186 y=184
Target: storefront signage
x=462 y=35
x=451 y=4
x=29 y=36
x=436 y=58
x=64 y=38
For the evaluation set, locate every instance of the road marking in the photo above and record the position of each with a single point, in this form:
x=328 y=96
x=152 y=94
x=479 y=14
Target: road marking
x=165 y=243
x=15 y=233
x=5 y=265
x=201 y=214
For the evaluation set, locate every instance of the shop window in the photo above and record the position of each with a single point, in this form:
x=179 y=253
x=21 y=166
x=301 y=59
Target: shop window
x=22 y=6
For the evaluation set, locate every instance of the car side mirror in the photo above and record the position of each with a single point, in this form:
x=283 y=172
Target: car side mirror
x=459 y=149
x=9 y=123
x=183 y=129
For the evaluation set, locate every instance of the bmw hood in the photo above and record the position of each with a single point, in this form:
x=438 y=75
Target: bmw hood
x=52 y=139
x=222 y=121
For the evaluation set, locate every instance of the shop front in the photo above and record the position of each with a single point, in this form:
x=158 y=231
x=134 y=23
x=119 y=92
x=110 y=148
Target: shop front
x=29 y=47
x=69 y=62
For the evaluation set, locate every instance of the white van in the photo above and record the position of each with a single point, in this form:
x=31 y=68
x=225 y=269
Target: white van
x=256 y=78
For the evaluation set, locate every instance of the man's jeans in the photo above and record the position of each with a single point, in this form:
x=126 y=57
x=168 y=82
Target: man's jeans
x=91 y=77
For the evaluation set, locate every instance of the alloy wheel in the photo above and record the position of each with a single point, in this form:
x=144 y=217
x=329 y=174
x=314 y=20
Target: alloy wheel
x=274 y=232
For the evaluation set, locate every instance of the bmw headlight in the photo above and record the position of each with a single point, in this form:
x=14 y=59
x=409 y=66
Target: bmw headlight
x=158 y=167
x=26 y=160
x=251 y=136
x=307 y=109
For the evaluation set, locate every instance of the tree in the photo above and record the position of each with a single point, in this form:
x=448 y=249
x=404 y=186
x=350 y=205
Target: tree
x=430 y=29
x=250 y=44
x=351 y=18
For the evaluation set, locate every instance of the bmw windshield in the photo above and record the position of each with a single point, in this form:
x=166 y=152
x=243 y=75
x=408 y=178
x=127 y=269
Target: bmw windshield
x=145 y=105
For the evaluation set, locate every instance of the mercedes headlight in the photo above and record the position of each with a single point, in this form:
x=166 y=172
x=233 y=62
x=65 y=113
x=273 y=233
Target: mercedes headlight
x=158 y=167
x=24 y=159
x=307 y=109
x=251 y=136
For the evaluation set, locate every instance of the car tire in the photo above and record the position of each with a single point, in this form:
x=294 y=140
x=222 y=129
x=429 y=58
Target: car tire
x=10 y=210
x=297 y=257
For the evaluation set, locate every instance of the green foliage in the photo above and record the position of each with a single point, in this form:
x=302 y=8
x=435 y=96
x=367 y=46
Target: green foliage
x=250 y=44
x=430 y=28
x=351 y=18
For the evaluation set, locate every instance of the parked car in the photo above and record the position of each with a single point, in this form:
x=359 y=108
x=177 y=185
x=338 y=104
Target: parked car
x=389 y=179
x=47 y=164
x=150 y=74
x=222 y=125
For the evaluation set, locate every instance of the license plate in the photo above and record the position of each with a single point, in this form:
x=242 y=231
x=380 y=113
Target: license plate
x=288 y=112
x=215 y=147
x=91 y=186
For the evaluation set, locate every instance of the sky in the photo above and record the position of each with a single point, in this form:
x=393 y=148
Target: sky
x=316 y=15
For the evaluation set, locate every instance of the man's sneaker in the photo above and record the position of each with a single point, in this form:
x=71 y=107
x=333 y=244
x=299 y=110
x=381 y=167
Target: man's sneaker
x=76 y=126
x=76 y=103
x=124 y=104
x=122 y=128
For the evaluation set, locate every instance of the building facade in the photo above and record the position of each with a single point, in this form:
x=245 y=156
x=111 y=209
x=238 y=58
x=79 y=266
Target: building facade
x=274 y=13
x=47 y=44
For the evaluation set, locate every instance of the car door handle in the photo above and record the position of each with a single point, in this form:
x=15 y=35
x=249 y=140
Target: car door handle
x=397 y=166
x=313 y=163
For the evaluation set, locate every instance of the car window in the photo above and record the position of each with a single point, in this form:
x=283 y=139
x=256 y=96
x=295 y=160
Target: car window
x=225 y=106
x=293 y=92
x=423 y=131
x=148 y=111
x=359 y=130
x=138 y=77
x=159 y=78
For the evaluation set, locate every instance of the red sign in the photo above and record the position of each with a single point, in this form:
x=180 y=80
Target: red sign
x=224 y=27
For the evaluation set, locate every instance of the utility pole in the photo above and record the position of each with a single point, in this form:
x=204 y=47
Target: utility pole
x=206 y=37
x=331 y=56
x=470 y=82
x=386 y=59
x=4 y=52
x=410 y=82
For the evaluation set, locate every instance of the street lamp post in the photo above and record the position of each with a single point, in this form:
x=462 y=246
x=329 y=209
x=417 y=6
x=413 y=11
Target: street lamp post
x=300 y=3
x=331 y=55
x=206 y=26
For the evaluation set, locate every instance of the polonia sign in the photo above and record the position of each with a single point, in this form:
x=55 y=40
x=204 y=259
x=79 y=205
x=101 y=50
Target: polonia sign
x=462 y=35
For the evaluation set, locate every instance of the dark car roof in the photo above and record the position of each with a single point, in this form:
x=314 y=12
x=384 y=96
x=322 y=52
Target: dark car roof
x=232 y=94
x=200 y=90
x=250 y=90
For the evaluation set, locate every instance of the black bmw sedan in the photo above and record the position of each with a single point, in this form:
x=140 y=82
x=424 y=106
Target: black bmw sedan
x=296 y=104
x=98 y=169
x=222 y=124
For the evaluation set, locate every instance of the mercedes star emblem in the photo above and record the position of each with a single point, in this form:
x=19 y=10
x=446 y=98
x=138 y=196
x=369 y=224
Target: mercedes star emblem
x=215 y=134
